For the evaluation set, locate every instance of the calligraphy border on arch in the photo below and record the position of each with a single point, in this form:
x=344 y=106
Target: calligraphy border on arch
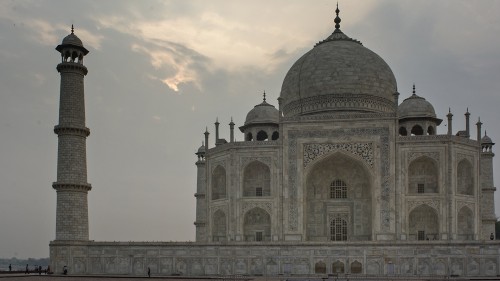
x=267 y=206
x=416 y=154
x=412 y=204
x=363 y=151
x=294 y=135
x=245 y=160
x=468 y=157
x=218 y=162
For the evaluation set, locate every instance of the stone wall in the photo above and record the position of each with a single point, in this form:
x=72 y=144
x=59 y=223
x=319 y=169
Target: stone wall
x=426 y=258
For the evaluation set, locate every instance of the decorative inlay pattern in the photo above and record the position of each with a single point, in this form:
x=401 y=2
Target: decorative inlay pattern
x=414 y=155
x=293 y=148
x=246 y=160
x=364 y=151
x=219 y=207
x=344 y=102
x=416 y=203
x=462 y=156
x=216 y=163
x=267 y=206
x=461 y=204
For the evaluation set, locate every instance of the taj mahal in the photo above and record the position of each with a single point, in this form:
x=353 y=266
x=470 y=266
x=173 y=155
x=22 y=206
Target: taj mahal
x=342 y=176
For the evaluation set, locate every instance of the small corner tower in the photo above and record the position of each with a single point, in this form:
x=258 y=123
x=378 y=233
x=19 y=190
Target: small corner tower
x=71 y=186
x=487 y=188
x=201 y=205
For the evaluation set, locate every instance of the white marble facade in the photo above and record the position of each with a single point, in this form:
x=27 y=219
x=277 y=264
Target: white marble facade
x=341 y=178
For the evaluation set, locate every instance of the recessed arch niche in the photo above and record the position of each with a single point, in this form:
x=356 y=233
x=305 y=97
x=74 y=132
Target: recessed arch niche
x=321 y=208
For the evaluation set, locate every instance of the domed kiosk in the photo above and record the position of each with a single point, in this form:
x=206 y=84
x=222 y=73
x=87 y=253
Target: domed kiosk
x=417 y=116
x=261 y=123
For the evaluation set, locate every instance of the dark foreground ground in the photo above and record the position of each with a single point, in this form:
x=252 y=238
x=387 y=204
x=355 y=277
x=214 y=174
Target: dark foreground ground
x=33 y=277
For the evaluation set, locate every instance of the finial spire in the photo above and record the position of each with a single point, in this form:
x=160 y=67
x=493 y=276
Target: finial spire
x=264 y=95
x=337 y=19
x=413 y=88
x=72 y=29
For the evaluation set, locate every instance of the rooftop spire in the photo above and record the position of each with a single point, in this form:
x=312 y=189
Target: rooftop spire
x=264 y=95
x=413 y=88
x=72 y=29
x=337 y=19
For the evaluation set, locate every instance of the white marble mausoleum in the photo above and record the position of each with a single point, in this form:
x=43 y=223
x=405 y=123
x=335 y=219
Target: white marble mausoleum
x=343 y=176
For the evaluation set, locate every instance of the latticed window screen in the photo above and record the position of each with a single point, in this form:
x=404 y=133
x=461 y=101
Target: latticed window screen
x=338 y=189
x=421 y=235
x=258 y=236
x=338 y=229
x=421 y=188
x=258 y=191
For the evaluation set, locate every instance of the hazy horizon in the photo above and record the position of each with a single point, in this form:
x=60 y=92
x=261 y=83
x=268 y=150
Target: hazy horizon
x=160 y=72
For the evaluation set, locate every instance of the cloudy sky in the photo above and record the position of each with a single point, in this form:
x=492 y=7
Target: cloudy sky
x=161 y=71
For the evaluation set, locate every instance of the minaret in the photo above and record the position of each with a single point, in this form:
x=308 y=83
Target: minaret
x=201 y=205
x=72 y=221
x=488 y=189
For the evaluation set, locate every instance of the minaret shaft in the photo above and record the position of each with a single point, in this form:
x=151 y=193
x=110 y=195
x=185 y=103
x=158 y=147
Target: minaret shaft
x=72 y=221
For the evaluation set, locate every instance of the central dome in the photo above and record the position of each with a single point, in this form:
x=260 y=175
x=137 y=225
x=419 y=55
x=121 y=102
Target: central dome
x=338 y=74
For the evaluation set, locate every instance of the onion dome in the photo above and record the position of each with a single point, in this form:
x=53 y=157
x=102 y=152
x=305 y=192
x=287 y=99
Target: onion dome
x=415 y=107
x=263 y=113
x=338 y=74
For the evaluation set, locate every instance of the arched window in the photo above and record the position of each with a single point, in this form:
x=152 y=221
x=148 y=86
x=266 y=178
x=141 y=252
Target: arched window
x=338 y=267
x=219 y=183
x=424 y=223
x=256 y=180
x=320 y=268
x=417 y=130
x=465 y=224
x=356 y=267
x=262 y=136
x=219 y=226
x=403 y=132
x=249 y=137
x=338 y=189
x=257 y=225
x=338 y=229
x=275 y=136
x=431 y=131
x=465 y=178
x=423 y=176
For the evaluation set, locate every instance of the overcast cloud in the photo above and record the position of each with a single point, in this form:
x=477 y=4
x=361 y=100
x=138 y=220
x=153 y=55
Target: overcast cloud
x=161 y=71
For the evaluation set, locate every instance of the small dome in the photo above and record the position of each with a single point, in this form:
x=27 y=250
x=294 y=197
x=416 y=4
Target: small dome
x=263 y=113
x=72 y=39
x=486 y=139
x=201 y=149
x=416 y=107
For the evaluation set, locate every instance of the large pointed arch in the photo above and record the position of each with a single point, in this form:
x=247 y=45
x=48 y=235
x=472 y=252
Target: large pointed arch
x=219 y=188
x=465 y=224
x=338 y=172
x=423 y=176
x=256 y=180
x=423 y=223
x=465 y=178
x=219 y=226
